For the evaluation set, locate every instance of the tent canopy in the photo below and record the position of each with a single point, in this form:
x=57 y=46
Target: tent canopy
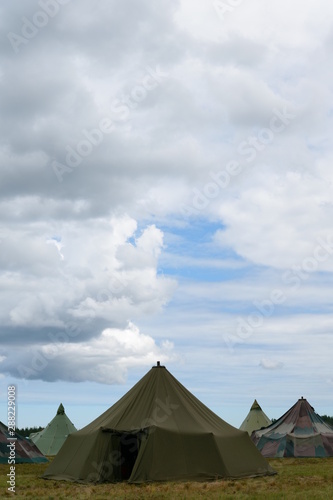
x=255 y=419
x=25 y=451
x=157 y=431
x=50 y=440
x=300 y=432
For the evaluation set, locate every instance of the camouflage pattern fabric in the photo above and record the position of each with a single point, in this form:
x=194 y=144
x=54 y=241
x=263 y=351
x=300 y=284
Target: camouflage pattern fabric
x=300 y=432
x=25 y=451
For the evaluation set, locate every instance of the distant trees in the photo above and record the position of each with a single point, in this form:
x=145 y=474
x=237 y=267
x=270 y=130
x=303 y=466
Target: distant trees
x=327 y=419
x=26 y=431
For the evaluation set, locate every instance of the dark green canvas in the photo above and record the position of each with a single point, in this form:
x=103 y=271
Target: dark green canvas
x=158 y=431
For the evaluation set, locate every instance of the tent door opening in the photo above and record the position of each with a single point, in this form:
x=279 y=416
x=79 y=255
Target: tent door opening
x=129 y=448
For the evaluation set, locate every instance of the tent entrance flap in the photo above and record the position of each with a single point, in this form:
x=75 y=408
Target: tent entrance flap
x=129 y=449
x=124 y=449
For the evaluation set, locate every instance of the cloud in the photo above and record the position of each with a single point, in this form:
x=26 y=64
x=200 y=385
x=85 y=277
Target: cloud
x=287 y=212
x=90 y=276
x=269 y=364
x=104 y=359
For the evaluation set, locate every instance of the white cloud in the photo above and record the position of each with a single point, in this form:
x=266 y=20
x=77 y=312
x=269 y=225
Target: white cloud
x=84 y=278
x=278 y=218
x=104 y=359
x=270 y=364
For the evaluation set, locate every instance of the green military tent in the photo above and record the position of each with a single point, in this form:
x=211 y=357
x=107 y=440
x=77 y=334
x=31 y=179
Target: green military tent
x=158 y=431
x=255 y=419
x=50 y=440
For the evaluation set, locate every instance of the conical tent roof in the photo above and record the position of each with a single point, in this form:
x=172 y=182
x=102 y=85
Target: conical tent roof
x=50 y=440
x=157 y=431
x=300 y=432
x=255 y=419
x=25 y=451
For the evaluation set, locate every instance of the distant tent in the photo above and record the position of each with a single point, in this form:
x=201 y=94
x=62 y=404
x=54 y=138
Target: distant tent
x=256 y=419
x=50 y=440
x=158 y=431
x=300 y=432
x=25 y=451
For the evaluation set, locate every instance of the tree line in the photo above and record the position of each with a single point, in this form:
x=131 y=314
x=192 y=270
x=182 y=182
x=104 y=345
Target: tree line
x=327 y=419
x=26 y=431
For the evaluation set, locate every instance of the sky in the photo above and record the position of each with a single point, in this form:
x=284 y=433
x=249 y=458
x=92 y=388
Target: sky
x=166 y=194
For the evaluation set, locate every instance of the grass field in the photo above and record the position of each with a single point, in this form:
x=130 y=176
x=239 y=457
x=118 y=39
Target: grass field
x=305 y=478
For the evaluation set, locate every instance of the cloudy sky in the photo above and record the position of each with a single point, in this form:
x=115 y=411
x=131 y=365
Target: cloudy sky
x=166 y=194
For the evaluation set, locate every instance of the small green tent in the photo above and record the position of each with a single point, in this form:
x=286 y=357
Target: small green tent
x=158 y=431
x=255 y=419
x=50 y=440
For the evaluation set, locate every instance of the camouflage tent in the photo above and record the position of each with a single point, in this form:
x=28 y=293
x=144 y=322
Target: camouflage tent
x=158 y=431
x=255 y=419
x=50 y=440
x=25 y=451
x=300 y=432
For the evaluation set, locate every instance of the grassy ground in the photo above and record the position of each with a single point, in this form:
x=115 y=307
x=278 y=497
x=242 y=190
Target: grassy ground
x=305 y=478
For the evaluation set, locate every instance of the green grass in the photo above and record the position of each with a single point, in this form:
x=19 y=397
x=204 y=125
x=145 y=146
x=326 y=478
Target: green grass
x=307 y=478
